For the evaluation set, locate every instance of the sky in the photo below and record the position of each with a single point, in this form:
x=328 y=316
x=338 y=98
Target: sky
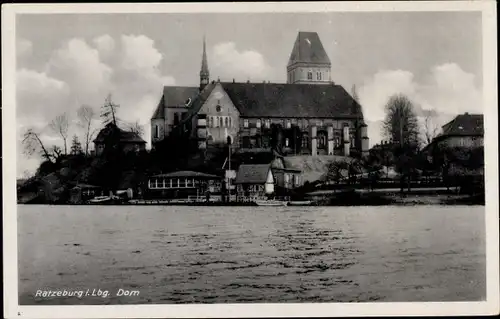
x=64 y=61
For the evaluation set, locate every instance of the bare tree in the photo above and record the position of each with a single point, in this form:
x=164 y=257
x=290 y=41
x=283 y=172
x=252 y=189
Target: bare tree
x=401 y=123
x=33 y=144
x=137 y=128
x=430 y=128
x=60 y=125
x=109 y=110
x=86 y=116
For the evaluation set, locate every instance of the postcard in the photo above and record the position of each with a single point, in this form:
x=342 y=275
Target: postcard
x=250 y=159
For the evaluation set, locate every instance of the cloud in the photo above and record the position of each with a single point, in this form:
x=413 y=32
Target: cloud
x=38 y=94
x=81 y=72
x=23 y=47
x=80 y=66
x=105 y=45
x=445 y=92
x=246 y=65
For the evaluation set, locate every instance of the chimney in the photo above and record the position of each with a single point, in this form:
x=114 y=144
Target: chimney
x=233 y=80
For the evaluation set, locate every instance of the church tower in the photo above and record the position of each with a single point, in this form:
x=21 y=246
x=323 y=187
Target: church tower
x=309 y=63
x=204 y=74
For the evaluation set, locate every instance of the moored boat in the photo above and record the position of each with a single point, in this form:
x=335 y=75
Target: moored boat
x=104 y=200
x=270 y=203
x=300 y=203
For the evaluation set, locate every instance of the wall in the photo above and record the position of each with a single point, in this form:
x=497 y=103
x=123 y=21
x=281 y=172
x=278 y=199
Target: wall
x=227 y=113
x=463 y=141
x=161 y=125
x=171 y=112
x=305 y=125
x=298 y=74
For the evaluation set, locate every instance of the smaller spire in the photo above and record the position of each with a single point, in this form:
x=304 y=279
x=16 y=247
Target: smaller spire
x=204 y=73
x=204 y=61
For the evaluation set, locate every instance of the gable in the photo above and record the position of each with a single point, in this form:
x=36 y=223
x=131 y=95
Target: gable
x=175 y=96
x=270 y=177
x=218 y=103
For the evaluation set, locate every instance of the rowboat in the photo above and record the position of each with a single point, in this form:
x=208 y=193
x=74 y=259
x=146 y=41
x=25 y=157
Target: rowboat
x=300 y=203
x=102 y=200
x=270 y=203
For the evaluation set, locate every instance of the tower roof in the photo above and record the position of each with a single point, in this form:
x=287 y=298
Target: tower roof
x=308 y=49
x=204 y=62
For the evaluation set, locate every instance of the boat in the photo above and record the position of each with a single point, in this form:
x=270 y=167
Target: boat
x=101 y=200
x=270 y=203
x=300 y=203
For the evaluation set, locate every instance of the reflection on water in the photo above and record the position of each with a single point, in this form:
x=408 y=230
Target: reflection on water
x=240 y=254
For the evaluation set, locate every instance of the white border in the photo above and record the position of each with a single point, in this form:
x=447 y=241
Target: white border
x=490 y=100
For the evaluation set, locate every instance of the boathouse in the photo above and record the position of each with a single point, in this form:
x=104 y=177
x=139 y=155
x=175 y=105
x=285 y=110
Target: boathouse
x=185 y=185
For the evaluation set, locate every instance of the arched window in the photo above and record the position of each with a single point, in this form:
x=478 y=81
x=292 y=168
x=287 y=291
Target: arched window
x=309 y=75
x=210 y=121
x=157 y=131
x=230 y=122
x=226 y=122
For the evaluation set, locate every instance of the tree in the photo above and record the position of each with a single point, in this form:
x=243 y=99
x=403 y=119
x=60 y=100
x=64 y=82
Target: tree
x=60 y=125
x=400 y=123
x=430 y=128
x=108 y=112
x=137 y=128
x=76 y=146
x=86 y=116
x=33 y=144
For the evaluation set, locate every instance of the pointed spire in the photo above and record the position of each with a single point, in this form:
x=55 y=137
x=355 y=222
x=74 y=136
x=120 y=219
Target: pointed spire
x=204 y=73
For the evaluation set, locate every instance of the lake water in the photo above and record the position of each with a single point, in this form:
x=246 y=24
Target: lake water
x=251 y=254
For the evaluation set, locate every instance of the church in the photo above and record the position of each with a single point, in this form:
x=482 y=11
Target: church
x=314 y=115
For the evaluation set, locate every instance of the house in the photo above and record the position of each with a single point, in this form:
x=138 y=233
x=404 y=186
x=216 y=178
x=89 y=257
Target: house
x=184 y=185
x=127 y=141
x=465 y=130
x=309 y=114
x=254 y=181
x=260 y=180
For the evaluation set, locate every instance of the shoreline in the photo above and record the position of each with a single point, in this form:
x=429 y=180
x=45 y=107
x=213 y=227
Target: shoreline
x=341 y=200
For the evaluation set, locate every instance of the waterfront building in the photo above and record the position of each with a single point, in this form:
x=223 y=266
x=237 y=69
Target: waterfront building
x=310 y=114
x=256 y=181
x=184 y=185
x=128 y=141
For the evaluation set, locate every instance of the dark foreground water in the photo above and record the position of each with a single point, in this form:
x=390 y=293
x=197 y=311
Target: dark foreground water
x=246 y=254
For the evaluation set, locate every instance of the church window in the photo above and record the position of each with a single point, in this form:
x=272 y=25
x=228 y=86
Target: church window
x=286 y=142
x=210 y=121
x=353 y=139
x=318 y=75
x=230 y=122
x=267 y=123
x=157 y=131
x=321 y=140
x=226 y=122
x=218 y=108
x=288 y=124
x=245 y=123
x=257 y=124
x=309 y=75
x=305 y=141
x=336 y=139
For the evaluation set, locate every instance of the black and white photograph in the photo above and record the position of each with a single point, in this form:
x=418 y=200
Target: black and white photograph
x=250 y=159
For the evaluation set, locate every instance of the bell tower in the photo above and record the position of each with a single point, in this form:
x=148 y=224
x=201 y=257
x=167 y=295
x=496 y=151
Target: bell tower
x=308 y=63
x=204 y=73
